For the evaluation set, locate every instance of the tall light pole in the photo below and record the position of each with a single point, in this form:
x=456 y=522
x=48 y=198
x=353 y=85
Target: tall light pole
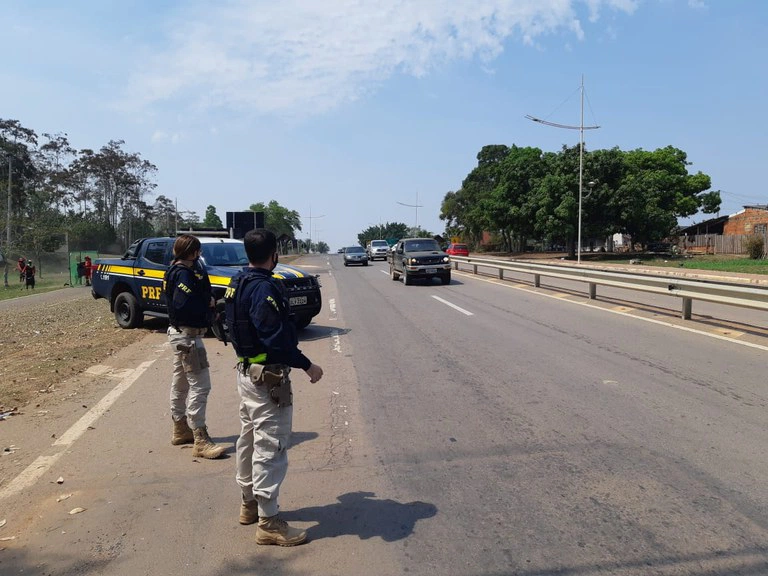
x=581 y=129
x=416 y=206
x=310 y=218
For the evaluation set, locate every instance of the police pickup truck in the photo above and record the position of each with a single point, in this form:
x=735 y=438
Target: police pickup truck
x=414 y=258
x=133 y=284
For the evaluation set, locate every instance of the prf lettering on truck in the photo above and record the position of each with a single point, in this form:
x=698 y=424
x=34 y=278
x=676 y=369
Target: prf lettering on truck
x=151 y=292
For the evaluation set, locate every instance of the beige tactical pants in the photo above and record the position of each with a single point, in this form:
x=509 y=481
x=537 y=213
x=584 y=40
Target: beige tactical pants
x=262 y=448
x=191 y=379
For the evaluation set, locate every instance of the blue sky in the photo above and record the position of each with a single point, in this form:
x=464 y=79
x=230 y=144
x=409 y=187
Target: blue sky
x=346 y=107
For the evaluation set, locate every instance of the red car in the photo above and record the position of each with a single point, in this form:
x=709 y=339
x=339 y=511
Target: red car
x=457 y=250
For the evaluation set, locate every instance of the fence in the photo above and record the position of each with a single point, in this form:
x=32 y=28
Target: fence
x=718 y=243
x=686 y=289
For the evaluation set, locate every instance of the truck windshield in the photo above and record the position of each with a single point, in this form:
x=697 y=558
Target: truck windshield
x=225 y=254
x=425 y=245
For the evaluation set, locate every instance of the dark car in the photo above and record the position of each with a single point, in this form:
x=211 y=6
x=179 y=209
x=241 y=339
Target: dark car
x=355 y=255
x=414 y=258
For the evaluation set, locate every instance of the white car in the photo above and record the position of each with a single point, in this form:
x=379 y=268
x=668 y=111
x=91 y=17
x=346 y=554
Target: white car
x=377 y=249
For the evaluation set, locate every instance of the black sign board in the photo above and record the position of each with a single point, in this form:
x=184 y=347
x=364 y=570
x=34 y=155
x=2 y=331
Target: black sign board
x=241 y=222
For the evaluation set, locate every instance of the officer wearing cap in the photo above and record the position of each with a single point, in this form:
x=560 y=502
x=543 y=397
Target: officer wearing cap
x=266 y=344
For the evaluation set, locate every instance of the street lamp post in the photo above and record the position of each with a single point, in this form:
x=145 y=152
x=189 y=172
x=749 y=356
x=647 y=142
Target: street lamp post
x=416 y=206
x=581 y=129
x=310 y=218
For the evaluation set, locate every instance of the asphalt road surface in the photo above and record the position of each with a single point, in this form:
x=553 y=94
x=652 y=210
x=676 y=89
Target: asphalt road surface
x=471 y=429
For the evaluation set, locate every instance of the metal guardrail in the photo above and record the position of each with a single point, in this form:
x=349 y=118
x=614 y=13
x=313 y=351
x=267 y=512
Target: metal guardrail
x=686 y=289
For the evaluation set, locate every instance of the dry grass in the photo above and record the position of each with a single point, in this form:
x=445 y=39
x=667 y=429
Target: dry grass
x=42 y=346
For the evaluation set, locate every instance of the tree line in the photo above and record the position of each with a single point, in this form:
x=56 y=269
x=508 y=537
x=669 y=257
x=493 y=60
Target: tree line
x=97 y=199
x=53 y=191
x=519 y=194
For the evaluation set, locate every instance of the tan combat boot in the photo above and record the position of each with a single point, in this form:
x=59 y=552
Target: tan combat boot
x=273 y=530
x=249 y=512
x=182 y=433
x=204 y=446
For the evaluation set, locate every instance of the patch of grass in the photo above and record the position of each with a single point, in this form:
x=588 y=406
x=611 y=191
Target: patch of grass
x=720 y=263
x=47 y=283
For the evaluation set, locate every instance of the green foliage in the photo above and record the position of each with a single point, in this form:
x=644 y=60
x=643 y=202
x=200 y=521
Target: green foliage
x=322 y=247
x=212 y=219
x=90 y=233
x=754 y=245
x=388 y=231
x=519 y=192
x=279 y=219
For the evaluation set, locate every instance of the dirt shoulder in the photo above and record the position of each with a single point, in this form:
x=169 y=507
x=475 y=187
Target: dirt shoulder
x=46 y=339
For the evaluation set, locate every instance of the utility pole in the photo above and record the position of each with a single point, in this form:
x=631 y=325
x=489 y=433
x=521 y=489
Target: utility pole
x=416 y=206
x=581 y=129
x=310 y=217
x=8 y=221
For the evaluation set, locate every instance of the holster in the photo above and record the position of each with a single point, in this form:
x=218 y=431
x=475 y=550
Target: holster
x=275 y=378
x=193 y=359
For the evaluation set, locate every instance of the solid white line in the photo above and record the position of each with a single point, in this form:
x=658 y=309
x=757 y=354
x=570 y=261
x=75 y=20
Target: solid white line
x=79 y=427
x=42 y=464
x=620 y=313
x=29 y=475
x=467 y=312
x=384 y=272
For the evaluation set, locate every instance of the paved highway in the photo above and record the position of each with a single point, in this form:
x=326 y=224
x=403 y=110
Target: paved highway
x=469 y=429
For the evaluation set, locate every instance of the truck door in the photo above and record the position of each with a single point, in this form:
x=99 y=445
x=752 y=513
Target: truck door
x=397 y=256
x=149 y=271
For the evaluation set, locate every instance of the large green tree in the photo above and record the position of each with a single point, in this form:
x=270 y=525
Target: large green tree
x=279 y=219
x=388 y=231
x=212 y=219
x=519 y=192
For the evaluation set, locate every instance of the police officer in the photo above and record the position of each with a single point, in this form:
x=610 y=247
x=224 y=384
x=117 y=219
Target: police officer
x=265 y=341
x=190 y=308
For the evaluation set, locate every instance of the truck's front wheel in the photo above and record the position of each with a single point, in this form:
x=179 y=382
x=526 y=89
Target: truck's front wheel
x=127 y=311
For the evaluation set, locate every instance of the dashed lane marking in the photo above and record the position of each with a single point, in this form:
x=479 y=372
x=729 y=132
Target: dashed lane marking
x=460 y=309
x=336 y=341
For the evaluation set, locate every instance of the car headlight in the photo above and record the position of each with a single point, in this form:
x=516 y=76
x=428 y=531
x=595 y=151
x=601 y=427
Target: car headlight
x=412 y=261
x=446 y=259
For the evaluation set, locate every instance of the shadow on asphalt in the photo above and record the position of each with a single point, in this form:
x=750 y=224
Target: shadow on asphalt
x=317 y=332
x=299 y=437
x=363 y=515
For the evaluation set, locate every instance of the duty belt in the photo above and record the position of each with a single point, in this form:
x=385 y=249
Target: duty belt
x=260 y=359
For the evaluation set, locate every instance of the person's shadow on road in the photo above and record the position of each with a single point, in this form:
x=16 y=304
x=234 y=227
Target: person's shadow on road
x=361 y=514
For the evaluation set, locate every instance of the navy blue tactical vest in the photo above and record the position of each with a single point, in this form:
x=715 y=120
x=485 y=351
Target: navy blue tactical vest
x=237 y=301
x=169 y=285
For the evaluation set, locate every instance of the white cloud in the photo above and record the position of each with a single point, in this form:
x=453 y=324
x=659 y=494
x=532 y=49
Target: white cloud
x=163 y=136
x=301 y=57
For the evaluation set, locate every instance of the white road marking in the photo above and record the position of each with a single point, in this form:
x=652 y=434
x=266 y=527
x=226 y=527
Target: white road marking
x=336 y=339
x=621 y=313
x=332 y=306
x=384 y=272
x=466 y=312
x=43 y=463
x=30 y=475
x=79 y=427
